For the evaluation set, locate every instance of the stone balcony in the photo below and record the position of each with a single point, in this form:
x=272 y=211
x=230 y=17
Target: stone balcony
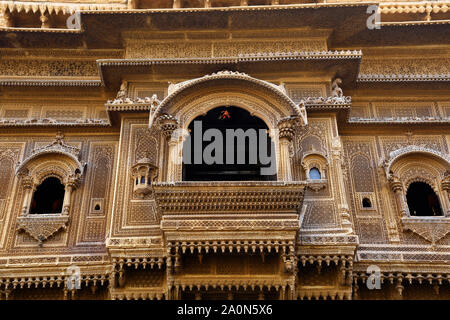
x=229 y=211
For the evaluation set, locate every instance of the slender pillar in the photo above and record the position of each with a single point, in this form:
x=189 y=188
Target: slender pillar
x=445 y=183
x=397 y=188
x=286 y=134
x=168 y=125
x=27 y=183
x=67 y=198
x=336 y=147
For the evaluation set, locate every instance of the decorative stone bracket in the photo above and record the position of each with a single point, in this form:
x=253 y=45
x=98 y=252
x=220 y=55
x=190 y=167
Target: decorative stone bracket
x=317 y=185
x=43 y=226
x=431 y=229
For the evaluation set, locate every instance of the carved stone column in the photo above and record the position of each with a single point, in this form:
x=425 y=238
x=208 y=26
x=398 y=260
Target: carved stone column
x=71 y=184
x=28 y=186
x=336 y=152
x=168 y=125
x=285 y=134
x=397 y=188
x=445 y=183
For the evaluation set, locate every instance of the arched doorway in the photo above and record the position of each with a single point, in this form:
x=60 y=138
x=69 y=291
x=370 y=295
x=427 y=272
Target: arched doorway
x=48 y=197
x=228 y=144
x=422 y=200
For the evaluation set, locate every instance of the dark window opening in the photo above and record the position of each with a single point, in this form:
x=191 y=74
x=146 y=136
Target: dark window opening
x=366 y=203
x=142 y=180
x=97 y=207
x=259 y=164
x=48 y=197
x=422 y=200
x=314 y=174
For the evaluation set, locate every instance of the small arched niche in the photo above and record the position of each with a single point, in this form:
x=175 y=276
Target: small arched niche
x=228 y=144
x=314 y=164
x=422 y=200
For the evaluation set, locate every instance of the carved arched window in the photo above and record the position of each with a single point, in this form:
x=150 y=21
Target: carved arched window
x=422 y=200
x=48 y=197
x=48 y=176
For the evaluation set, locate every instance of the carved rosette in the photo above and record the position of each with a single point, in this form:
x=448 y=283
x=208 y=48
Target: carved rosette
x=42 y=227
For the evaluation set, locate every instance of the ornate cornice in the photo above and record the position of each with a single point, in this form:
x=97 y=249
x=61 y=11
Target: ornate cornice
x=46 y=122
x=398 y=120
x=262 y=56
x=50 y=83
x=403 y=77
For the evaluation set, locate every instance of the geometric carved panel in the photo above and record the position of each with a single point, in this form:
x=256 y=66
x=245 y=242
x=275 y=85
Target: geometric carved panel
x=141 y=213
x=320 y=214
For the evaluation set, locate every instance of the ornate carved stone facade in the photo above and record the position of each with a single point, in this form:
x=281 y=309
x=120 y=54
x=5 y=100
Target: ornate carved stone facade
x=103 y=104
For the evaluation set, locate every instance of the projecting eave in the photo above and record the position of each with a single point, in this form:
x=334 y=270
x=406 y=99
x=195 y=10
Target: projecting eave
x=342 y=64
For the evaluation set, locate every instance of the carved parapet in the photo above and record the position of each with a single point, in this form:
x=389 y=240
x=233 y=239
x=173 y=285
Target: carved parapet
x=43 y=226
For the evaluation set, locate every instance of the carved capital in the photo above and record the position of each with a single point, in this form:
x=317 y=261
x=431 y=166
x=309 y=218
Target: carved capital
x=395 y=183
x=445 y=182
x=168 y=125
x=286 y=127
x=27 y=181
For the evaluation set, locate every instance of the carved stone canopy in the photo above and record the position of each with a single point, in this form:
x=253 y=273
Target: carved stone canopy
x=411 y=149
x=57 y=147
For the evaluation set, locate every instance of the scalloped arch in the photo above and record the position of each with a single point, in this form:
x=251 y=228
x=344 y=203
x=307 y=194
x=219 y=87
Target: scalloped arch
x=274 y=90
x=396 y=155
x=33 y=157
